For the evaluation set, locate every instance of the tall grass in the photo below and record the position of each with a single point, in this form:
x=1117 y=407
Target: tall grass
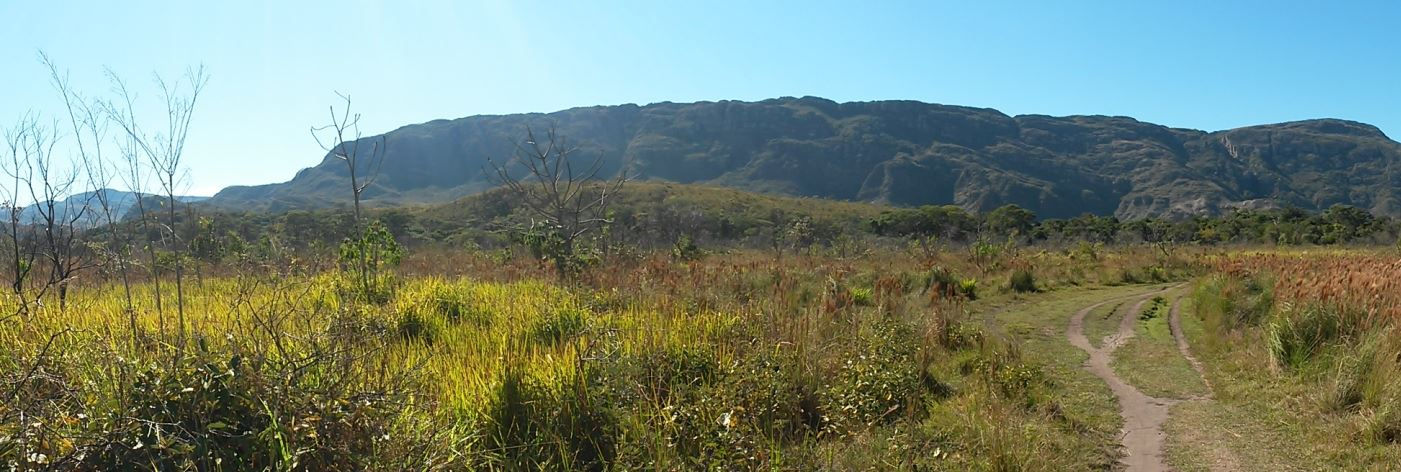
x=732 y=361
x=1325 y=321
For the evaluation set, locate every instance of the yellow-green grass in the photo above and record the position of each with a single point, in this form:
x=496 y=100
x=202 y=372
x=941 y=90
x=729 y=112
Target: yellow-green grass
x=460 y=335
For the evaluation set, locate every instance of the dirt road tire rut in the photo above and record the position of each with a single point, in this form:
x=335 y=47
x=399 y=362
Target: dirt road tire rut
x=1143 y=438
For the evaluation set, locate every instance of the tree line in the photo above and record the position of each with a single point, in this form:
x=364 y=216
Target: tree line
x=1339 y=224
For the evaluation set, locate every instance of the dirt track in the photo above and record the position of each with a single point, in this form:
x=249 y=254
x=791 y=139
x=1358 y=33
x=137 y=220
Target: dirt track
x=1143 y=436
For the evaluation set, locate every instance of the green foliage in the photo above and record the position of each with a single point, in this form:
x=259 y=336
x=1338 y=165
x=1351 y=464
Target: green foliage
x=548 y=243
x=875 y=386
x=861 y=296
x=209 y=245
x=368 y=257
x=968 y=288
x=210 y=411
x=1010 y=219
x=685 y=249
x=946 y=283
x=1022 y=281
x=948 y=221
x=986 y=254
x=1297 y=335
x=413 y=326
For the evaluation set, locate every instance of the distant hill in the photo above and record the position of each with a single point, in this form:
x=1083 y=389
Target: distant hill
x=899 y=153
x=86 y=207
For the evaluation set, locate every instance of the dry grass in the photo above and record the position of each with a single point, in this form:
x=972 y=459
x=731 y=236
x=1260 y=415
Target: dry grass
x=737 y=360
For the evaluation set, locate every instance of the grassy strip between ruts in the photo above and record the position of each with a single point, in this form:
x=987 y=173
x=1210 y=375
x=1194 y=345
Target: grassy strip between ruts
x=1104 y=321
x=1150 y=360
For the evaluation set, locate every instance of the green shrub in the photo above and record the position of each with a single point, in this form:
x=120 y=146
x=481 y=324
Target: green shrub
x=942 y=281
x=685 y=249
x=861 y=296
x=668 y=373
x=1022 y=281
x=876 y=386
x=452 y=306
x=960 y=335
x=1002 y=368
x=1227 y=303
x=209 y=411
x=367 y=257
x=1158 y=274
x=765 y=398
x=968 y=288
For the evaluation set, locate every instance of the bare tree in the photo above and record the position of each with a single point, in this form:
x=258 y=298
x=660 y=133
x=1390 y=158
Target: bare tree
x=341 y=138
x=164 y=151
x=47 y=181
x=135 y=179
x=90 y=133
x=569 y=202
x=24 y=140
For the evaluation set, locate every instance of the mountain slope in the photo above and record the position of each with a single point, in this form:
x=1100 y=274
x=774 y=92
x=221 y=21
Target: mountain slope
x=85 y=208
x=896 y=152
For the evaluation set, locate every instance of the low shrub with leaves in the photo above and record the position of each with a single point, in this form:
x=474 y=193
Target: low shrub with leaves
x=1022 y=281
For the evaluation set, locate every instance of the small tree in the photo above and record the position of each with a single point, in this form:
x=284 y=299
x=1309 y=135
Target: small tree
x=24 y=140
x=164 y=152
x=39 y=171
x=1010 y=220
x=559 y=194
x=135 y=179
x=89 y=125
x=342 y=139
x=374 y=252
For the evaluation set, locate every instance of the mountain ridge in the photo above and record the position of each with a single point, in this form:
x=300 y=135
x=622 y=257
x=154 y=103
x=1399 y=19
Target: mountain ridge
x=900 y=152
x=85 y=208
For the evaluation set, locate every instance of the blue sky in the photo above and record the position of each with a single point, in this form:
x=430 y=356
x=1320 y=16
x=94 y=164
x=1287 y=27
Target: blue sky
x=275 y=64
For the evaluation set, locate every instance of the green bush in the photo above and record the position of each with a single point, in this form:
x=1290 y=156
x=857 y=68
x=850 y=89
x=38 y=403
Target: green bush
x=1022 y=281
x=685 y=249
x=861 y=296
x=876 y=386
x=942 y=280
x=454 y=307
x=968 y=288
x=210 y=411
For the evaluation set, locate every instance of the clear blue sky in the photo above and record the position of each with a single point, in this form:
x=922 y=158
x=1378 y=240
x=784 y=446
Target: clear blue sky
x=1207 y=65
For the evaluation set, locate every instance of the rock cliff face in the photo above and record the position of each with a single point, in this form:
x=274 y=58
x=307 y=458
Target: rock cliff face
x=898 y=152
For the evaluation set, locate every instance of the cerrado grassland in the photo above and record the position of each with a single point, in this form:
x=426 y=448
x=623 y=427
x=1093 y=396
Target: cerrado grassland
x=479 y=360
